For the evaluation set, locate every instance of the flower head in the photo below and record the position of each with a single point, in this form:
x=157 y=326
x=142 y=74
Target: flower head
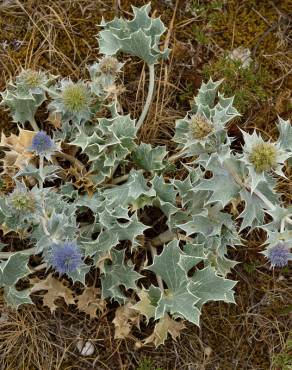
x=76 y=97
x=66 y=257
x=263 y=156
x=32 y=79
x=42 y=144
x=200 y=126
x=22 y=201
x=109 y=65
x=279 y=255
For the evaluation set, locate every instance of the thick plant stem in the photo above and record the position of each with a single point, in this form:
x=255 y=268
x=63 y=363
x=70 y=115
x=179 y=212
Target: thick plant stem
x=41 y=169
x=149 y=96
x=34 y=125
x=6 y=255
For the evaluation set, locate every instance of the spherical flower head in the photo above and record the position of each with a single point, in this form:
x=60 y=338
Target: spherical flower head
x=109 y=65
x=31 y=79
x=42 y=144
x=76 y=97
x=263 y=157
x=200 y=126
x=279 y=255
x=22 y=202
x=65 y=258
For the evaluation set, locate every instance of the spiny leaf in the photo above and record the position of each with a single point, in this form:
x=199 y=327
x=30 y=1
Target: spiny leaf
x=162 y=328
x=118 y=273
x=222 y=185
x=139 y=37
x=148 y=301
x=15 y=298
x=14 y=269
x=55 y=289
x=90 y=303
x=148 y=158
x=178 y=298
x=125 y=318
x=210 y=287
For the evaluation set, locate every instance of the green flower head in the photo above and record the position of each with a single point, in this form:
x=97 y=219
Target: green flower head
x=22 y=202
x=32 y=79
x=72 y=100
x=263 y=157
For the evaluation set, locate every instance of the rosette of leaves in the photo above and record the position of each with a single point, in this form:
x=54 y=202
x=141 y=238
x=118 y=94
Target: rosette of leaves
x=202 y=131
x=26 y=94
x=139 y=36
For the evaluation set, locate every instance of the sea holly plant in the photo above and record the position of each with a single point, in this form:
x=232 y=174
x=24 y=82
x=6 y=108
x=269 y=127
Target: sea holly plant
x=88 y=196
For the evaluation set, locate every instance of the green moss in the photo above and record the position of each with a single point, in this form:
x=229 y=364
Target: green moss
x=250 y=85
x=283 y=360
x=147 y=364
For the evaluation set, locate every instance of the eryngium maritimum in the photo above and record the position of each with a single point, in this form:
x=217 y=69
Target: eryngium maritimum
x=42 y=144
x=279 y=255
x=76 y=97
x=65 y=257
x=200 y=126
x=22 y=202
x=109 y=65
x=32 y=79
x=263 y=156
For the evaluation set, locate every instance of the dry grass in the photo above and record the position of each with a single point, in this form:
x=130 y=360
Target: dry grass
x=58 y=35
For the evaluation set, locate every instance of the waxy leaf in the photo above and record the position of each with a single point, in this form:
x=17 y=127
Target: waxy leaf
x=117 y=273
x=178 y=298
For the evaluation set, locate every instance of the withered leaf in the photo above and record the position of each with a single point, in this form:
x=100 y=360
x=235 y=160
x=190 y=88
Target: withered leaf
x=89 y=302
x=16 y=154
x=55 y=289
x=165 y=325
x=124 y=320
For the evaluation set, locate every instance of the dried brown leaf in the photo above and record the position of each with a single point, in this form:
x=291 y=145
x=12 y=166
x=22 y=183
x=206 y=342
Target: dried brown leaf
x=15 y=148
x=89 y=302
x=124 y=320
x=55 y=289
x=165 y=325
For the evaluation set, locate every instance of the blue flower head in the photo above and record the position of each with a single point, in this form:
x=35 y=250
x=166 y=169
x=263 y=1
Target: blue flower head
x=279 y=255
x=42 y=144
x=66 y=257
